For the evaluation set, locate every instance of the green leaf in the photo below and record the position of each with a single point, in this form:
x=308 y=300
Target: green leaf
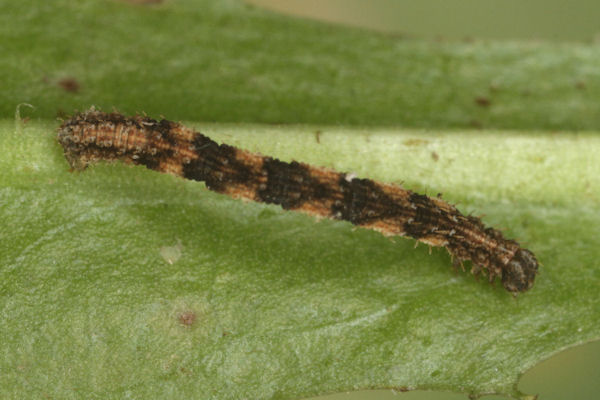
x=220 y=60
x=121 y=281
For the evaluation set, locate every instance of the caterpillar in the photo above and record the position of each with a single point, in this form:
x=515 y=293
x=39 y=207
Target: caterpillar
x=172 y=148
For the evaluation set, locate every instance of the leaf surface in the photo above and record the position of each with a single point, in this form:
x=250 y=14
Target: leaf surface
x=122 y=281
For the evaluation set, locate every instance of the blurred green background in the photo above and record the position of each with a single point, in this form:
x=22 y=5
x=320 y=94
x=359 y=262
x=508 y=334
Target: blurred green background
x=574 y=373
x=556 y=20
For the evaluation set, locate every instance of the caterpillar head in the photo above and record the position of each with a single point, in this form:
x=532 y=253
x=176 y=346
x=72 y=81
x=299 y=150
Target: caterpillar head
x=518 y=275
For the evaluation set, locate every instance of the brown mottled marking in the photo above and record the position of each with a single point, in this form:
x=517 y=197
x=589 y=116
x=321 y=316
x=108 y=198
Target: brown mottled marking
x=187 y=318
x=390 y=209
x=69 y=84
x=483 y=101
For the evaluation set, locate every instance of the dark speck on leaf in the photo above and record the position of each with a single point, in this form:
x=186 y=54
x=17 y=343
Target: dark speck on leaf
x=483 y=101
x=69 y=84
x=187 y=318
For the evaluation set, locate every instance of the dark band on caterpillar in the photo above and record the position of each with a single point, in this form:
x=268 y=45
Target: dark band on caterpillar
x=169 y=147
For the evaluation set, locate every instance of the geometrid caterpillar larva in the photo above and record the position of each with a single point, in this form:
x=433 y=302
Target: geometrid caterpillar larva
x=390 y=209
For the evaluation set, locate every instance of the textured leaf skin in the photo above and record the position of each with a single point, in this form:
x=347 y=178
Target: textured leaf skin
x=95 y=304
